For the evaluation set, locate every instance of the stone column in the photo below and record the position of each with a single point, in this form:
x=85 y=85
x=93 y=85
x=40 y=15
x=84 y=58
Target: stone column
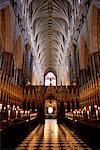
x=80 y=77
x=1 y=59
x=84 y=77
x=93 y=63
x=12 y=68
x=97 y=62
x=19 y=79
x=6 y=66
x=27 y=59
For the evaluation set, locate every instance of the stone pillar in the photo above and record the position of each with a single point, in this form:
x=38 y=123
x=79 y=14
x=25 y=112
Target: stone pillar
x=97 y=63
x=31 y=67
x=1 y=96
x=27 y=63
x=80 y=77
x=6 y=66
x=0 y=86
x=93 y=63
x=12 y=68
x=19 y=79
x=1 y=59
x=83 y=76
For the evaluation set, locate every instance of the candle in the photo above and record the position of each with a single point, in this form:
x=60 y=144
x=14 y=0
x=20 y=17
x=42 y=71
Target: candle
x=97 y=114
x=9 y=113
x=25 y=111
x=82 y=113
x=17 y=107
x=88 y=114
x=16 y=113
x=95 y=106
x=0 y=107
x=90 y=108
x=13 y=107
x=85 y=108
x=4 y=108
x=8 y=106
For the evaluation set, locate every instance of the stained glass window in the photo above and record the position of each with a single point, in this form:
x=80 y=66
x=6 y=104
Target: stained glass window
x=50 y=78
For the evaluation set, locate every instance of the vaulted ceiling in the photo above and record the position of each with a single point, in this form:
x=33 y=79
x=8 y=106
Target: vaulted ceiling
x=50 y=22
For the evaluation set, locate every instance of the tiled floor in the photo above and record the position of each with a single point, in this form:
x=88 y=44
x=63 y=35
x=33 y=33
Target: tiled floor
x=52 y=137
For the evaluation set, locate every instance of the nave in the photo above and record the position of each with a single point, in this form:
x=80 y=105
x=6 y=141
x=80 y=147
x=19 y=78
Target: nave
x=49 y=68
x=52 y=136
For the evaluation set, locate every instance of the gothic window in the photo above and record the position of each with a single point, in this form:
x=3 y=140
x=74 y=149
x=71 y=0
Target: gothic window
x=50 y=78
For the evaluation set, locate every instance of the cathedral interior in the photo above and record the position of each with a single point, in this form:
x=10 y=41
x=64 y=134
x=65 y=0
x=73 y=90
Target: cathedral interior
x=50 y=74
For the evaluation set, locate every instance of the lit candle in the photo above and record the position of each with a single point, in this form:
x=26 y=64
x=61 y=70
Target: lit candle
x=16 y=113
x=97 y=114
x=0 y=107
x=4 y=108
x=35 y=110
x=9 y=113
x=22 y=112
x=90 y=108
x=17 y=107
x=95 y=106
x=74 y=112
x=82 y=113
x=28 y=113
x=8 y=106
x=25 y=111
x=13 y=107
x=88 y=114
x=85 y=108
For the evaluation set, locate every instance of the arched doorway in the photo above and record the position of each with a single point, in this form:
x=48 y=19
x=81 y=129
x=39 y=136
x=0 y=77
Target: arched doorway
x=50 y=109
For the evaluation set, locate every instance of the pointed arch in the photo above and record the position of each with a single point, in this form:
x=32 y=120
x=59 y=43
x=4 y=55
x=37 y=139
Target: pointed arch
x=18 y=53
x=94 y=29
x=6 y=32
x=83 y=53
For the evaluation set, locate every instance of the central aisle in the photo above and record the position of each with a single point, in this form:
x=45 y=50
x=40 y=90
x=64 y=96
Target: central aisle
x=52 y=136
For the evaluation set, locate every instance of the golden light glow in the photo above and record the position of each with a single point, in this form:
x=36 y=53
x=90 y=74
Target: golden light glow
x=50 y=128
x=50 y=110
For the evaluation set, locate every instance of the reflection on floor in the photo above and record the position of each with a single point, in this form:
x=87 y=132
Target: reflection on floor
x=52 y=137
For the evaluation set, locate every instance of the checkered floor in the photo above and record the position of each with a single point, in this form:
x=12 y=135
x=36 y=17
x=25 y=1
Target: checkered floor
x=52 y=137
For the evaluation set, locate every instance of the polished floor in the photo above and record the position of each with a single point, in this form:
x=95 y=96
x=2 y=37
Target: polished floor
x=52 y=136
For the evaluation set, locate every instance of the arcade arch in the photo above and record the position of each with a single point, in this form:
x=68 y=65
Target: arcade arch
x=6 y=32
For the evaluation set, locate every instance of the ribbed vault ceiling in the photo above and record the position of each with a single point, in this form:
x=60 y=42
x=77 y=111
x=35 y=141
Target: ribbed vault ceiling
x=50 y=23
